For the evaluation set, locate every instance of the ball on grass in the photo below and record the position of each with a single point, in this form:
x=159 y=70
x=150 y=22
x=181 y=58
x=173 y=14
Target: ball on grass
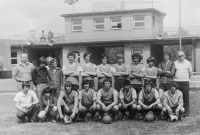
x=107 y=119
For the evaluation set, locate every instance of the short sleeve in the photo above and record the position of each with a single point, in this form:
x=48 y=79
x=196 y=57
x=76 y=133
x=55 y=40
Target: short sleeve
x=121 y=94
x=94 y=96
x=190 y=67
x=99 y=94
x=115 y=93
x=80 y=95
x=134 y=95
x=16 y=99
x=156 y=94
x=140 y=95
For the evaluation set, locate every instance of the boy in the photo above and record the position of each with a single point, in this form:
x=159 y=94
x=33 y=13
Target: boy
x=69 y=99
x=72 y=70
x=149 y=100
x=88 y=69
x=104 y=71
x=173 y=101
x=121 y=72
x=128 y=99
x=107 y=99
x=87 y=101
x=55 y=77
x=26 y=104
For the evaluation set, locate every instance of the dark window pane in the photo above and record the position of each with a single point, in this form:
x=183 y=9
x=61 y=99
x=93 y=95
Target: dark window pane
x=139 y=18
x=78 y=28
x=13 y=54
x=99 y=27
x=13 y=61
x=116 y=19
x=139 y=24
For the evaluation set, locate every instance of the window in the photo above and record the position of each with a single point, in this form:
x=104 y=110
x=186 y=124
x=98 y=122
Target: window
x=116 y=23
x=77 y=25
x=139 y=21
x=13 y=57
x=98 y=23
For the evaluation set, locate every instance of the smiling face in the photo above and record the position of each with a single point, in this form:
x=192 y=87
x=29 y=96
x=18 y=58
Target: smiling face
x=104 y=60
x=166 y=57
x=71 y=59
x=136 y=60
x=120 y=60
x=107 y=85
x=86 y=86
x=127 y=87
x=181 y=56
x=87 y=58
x=150 y=64
x=68 y=89
x=148 y=89
x=47 y=94
x=24 y=58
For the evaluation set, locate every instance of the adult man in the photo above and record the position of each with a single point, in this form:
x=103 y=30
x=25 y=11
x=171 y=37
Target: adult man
x=173 y=101
x=149 y=100
x=136 y=73
x=121 y=72
x=183 y=72
x=104 y=71
x=26 y=104
x=88 y=69
x=39 y=77
x=69 y=99
x=72 y=70
x=166 y=71
x=107 y=100
x=23 y=71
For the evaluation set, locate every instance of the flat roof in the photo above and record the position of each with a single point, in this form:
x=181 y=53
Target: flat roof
x=113 y=12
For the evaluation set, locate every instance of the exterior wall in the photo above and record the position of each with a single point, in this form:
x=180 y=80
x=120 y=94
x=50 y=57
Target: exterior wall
x=127 y=32
x=197 y=56
x=5 y=54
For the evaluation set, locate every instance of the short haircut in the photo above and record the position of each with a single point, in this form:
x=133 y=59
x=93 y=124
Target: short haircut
x=169 y=54
x=47 y=90
x=86 y=54
x=173 y=84
x=148 y=82
x=25 y=84
x=68 y=83
x=42 y=60
x=137 y=55
x=120 y=55
x=23 y=53
x=71 y=54
x=104 y=55
x=151 y=59
x=48 y=59
x=126 y=82
x=107 y=80
x=53 y=60
x=85 y=82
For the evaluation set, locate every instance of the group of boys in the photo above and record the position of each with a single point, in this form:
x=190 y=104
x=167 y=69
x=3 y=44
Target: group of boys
x=136 y=90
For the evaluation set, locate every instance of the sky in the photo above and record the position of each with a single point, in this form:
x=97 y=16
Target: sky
x=20 y=17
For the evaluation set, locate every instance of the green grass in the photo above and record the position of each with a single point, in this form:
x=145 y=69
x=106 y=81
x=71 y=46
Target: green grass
x=9 y=125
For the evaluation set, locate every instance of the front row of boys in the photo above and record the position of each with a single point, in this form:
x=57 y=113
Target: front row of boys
x=71 y=103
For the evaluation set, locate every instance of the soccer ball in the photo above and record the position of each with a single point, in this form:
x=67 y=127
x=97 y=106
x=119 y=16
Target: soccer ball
x=149 y=117
x=42 y=114
x=173 y=118
x=107 y=119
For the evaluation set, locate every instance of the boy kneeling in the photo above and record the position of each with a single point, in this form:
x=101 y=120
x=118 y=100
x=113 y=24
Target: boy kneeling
x=149 y=100
x=107 y=99
x=128 y=98
x=68 y=103
x=48 y=105
x=173 y=101
x=87 y=101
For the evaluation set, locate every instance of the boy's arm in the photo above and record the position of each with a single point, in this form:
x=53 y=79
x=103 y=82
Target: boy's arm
x=59 y=103
x=99 y=98
x=165 y=101
x=75 y=102
x=180 y=101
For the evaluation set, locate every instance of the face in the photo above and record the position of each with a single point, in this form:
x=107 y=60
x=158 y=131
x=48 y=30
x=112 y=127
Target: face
x=47 y=94
x=181 y=56
x=127 y=87
x=150 y=64
x=87 y=58
x=120 y=60
x=42 y=65
x=136 y=60
x=26 y=88
x=54 y=65
x=86 y=86
x=24 y=58
x=173 y=89
x=107 y=85
x=71 y=59
x=166 y=57
x=68 y=89
x=148 y=89
x=104 y=60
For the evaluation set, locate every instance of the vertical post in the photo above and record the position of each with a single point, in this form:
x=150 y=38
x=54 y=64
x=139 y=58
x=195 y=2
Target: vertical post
x=152 y=3
x=73 y=7
x=180 y=46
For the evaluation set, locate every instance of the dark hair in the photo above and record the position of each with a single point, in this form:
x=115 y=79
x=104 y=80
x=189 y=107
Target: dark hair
x=169 y=54
x=104 y=55
x=68 y=83
x=47 y=90
x=148 y=82
x=151 y=59
x=42 y=60
x=86 y=54
x=120 y=55
x=48 y=59
x=85 y=82
x=25 y=84
x=53 y=60
x=137 y=55
x=173 y=84
x=107 y=80
x=126 y=82
x=71 y=54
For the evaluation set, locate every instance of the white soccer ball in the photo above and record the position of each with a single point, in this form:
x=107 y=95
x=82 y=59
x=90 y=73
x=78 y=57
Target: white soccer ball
x=42 y=114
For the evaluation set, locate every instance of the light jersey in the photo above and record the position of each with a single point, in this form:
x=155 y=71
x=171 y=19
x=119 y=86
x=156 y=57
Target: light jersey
x=103 y=69
x=151 y=72
x=137 y=70
x=148 y=99
x=129 y=96
x=87 y=98
x=121 y=68
x=173 y=100
x=107 y=97
x=69 y=98
x=73 y=67
x=91 y=68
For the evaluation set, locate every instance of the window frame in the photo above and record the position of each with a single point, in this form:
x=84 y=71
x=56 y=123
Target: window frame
x=13 y=58
x=115 y=23
x=76 y=25
x=98 y=24
x=134 y=22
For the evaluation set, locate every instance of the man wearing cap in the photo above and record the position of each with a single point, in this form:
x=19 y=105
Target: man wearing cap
x=23 y=71
x=183 y=72
x=27 y=104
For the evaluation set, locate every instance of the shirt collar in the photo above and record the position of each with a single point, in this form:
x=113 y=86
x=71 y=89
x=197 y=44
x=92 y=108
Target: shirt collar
x=26 y=94
x=181 y=61
x=24 y=65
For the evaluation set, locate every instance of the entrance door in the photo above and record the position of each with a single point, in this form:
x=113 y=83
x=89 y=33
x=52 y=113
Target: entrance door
x=157 y=52
x=96 y=54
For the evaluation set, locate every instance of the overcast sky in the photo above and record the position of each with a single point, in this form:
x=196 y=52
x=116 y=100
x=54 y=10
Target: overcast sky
x=25 y=16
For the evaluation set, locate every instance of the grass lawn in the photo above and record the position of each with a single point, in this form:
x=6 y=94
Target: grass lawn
x=9 y=125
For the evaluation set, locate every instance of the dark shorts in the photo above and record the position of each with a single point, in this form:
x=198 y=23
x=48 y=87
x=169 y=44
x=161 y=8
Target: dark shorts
x=119 y=84
x=164 y=86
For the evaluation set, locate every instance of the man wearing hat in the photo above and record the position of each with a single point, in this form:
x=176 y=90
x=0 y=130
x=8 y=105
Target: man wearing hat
x=26 y=104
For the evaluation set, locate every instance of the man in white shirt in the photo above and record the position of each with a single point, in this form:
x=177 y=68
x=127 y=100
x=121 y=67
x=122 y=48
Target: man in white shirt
x=183 y=71
x=27 y=104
